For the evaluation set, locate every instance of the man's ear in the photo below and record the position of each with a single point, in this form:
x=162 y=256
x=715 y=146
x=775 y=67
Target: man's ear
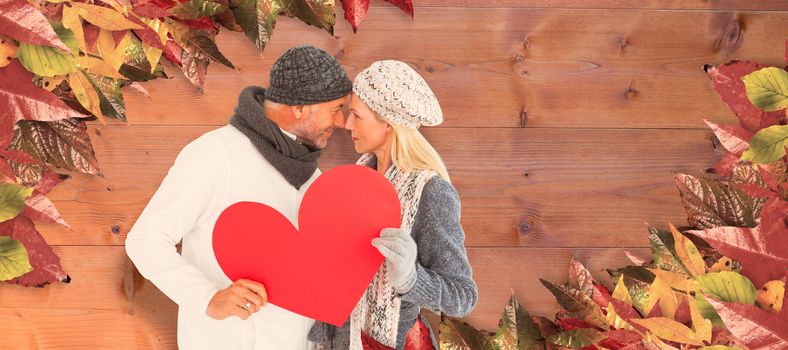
x=299 y=111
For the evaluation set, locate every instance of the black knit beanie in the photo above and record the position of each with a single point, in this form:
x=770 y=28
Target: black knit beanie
x=306 y=75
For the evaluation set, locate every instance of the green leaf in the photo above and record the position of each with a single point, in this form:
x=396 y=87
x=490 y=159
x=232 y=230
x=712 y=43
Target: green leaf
x=767 y=88
x=318 y=13
x=767 y=145
x=45 y=61
x=637 y=279
x=12 y=200
x=194 y=9
x=727 y=286
x=257 y=18
x=135 y=65
x=458 y=335
x=112 y=104
x=13 y=259
x=577 y=338
x=577 y=304
x=516 y=330
x=63 y=143
x=707 y=311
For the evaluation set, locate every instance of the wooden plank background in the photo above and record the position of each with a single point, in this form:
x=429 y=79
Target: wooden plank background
x=564 y=122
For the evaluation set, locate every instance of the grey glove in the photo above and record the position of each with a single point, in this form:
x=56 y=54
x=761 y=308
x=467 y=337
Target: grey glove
x=400 y=251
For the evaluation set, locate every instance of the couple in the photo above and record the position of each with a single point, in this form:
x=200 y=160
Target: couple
x=268 y=154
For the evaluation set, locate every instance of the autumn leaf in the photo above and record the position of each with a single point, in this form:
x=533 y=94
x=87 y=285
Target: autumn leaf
x=13 y=259
x=85 y=93
x=669 y=329
x=733 y=138
x=577 y=338
x=767 y=88
x=771 y=296
x=712 y=203
x=725 y=264
x=257 y=18
x=622 y=339
x=755 y=328
x=318 y=13
x=458 y=335
x=663 y=248
x=12 y=200
x=63 y=143
x=701 y=326
x=763 y=254
x=46 y=61
x=577 y=304
x=580 y=278
x=39 y=208
x=137 y=62
x=45 y=263
x=767 y=145
x=687 y=253
x=193 y=9
x=637 y=279
x=356 y=10
x=637 y=260
x=22 y=22
x=110 y=98
x=660 y=293
x=728 y=83
x=675 y=280
x=152 y=8
x=103 y=17
x=516 y=329
x=197 y=43
x=153 y=33
x=7 y=50
x=727 y=286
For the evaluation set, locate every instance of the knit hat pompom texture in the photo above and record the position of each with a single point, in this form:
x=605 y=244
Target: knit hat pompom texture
x=306 y=75
x=398 y=94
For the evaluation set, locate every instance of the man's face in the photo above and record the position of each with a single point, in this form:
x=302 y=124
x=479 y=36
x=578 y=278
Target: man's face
x=319 y=122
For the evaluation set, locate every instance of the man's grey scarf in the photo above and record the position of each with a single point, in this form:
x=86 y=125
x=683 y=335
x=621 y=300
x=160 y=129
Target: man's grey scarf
x=295 y=161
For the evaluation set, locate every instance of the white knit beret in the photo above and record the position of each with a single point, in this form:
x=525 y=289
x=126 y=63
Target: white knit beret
x=398 y=94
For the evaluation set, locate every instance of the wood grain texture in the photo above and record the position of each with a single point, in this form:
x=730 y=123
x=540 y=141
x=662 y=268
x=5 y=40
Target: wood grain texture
x=512 y=67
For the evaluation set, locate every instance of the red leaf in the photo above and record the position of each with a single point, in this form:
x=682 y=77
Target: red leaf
x=756 y=328
x=24 y=100
x=569 y=324
x=45 y=263
x=40 y=208
x=152 y=8
x=194 y=68
x=683 y=312
x=619 y=338
x=601 y=295
x=19 y=157
x=7 y=171
x=201 y=23
x=762 y=253
x=733 y=138
x=369 y=343
x=404 y=5
x=637 y=260
x=117 y=36
x=627 y=313
x=774 y=216
x=6 y=132
x=49 y=180
x=355 y=11
x=172 y=52
x=418 y=337
x=23 y=22
x=147 y=34
x=91 y=35
x=728 y=83
x=724 y=167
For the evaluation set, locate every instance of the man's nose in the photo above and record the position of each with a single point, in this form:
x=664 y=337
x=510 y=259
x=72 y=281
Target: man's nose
x=339 y=121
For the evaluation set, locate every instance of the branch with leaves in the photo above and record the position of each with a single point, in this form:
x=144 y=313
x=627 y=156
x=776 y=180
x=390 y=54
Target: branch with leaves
x=64 y=62
x=718 y=284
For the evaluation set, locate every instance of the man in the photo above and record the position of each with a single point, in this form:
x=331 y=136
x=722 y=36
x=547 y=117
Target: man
x=267 y=154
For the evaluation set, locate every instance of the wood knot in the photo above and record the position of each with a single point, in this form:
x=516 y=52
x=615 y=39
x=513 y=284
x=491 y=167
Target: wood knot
x=523 y=117
x=519 y=58
x=116 y=229
x=730 y=38
x=526 y=43
x=98 y=132
x=623 y=44
x=631 y=92
x=524 y=227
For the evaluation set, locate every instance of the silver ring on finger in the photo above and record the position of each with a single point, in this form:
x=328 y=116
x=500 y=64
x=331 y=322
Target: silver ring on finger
x=247 y=305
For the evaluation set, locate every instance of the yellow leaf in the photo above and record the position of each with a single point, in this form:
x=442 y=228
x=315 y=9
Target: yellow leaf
x=660 y=291
x=97 y=66
x=700 y=325
x=86 y=94
x=770 y=296
x=72 y=21
x=114 y=56
x=675 y=280
x=104 y=17
x=158 y=26
x=621 y=292
x=50 y=83
x=724 y=264
x=7 y=50
x=688 y=253
x=615 y=320
x=152 y=54
x=668 y=329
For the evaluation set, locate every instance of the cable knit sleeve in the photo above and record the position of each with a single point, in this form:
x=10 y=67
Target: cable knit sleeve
x=177 y=207
x=444 y=279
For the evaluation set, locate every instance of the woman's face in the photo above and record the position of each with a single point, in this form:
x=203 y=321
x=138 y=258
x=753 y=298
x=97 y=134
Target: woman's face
x=369 y=133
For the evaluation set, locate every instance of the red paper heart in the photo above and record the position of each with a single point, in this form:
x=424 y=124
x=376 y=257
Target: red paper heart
x=321 y=269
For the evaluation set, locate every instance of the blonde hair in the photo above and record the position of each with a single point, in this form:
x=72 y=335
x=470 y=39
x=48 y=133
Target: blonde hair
x=411 y=151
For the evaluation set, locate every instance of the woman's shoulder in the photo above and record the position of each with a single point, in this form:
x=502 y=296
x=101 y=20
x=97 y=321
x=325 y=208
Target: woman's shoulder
x=439 y=192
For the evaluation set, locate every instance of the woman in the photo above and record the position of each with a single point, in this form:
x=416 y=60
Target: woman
x=426 y=262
